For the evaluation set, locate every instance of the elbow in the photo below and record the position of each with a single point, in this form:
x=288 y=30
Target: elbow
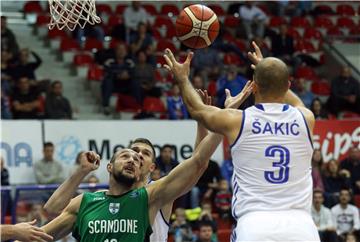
x=51 y=208
x=201 y=161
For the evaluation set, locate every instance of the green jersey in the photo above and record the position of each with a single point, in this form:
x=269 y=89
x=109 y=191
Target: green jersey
x=106 y=218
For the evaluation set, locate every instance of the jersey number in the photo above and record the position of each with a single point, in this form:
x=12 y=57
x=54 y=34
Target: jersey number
x=282 y=175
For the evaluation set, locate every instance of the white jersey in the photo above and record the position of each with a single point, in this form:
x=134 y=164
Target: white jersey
x=272 y=161
x=160 y=228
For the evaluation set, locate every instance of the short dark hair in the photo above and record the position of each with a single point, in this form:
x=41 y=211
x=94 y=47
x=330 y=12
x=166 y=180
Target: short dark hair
x=272 y=76
x=147 y=142
x=55 y=82
x=318 y=191
x=166 y=146
x=206 y=223
x=48 y=144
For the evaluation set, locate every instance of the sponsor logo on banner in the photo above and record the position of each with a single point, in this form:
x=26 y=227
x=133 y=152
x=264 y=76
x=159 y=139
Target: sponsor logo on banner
x=68 y=148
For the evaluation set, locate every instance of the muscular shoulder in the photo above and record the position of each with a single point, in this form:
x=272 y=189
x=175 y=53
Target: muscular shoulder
x=309 y=116
x=74 y=205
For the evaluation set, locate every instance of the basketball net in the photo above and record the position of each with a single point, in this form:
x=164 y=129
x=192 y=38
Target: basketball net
x=70 y=13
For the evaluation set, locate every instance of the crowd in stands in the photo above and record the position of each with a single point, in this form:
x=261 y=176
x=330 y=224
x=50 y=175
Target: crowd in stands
x=206 y=209
x=130 y=66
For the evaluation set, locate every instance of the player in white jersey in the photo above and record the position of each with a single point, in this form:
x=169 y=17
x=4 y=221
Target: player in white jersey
x=271 y=151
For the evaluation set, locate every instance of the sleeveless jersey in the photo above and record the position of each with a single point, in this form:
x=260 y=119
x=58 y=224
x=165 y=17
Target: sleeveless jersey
x=272 y=161
x=160 y=228
x=106 y=218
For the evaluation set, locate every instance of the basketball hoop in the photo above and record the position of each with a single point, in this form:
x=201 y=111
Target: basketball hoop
x=70 y=13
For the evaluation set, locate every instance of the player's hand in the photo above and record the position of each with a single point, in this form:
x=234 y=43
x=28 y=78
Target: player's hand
x=256 y=56
x=89 y=161
x=28 y=232
x=207 y=100
x=180 y=71
x=236 y=101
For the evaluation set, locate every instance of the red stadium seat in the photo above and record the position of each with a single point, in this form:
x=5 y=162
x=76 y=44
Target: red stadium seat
x=68 y=44
x=311 y=33
x=350 y=115
x=323 y=22
x=357 y=200
x=42 y=19
x=321 y=88
x=169 y=9
x=345 y=9
x=150 y=9
x=300 y=22
x=33 y=7
x=127 y=103
x=153 y=104
x=231 y=21
x=82 y=59
x=102 y=8
x=224 y=234
x=306 y=72
x=240 y=44
x=305 y=46
x=41 y=108
x=93 y=44
x=95 y=73
x=114 y=20
x=218 y=10
x=56 y=33
x=120 y=8
x=293 y=33
x=265 y=8
x=344 y=22
x=335 y=31
x=160 y=61
x=163 y=21
x=163 y=44
x=324 y=9
x=156 y=33
x=277 y=21
x=355 y=30
x=170 y=33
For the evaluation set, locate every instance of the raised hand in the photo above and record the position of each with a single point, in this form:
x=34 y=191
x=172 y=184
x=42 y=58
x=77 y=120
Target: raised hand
x=236 y=101
x=89 y=161
x=28 y=232
x=256 y=56
x=180 y=71
x=204 y=96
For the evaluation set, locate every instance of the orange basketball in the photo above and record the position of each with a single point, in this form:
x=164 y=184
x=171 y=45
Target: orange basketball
x=197 y=26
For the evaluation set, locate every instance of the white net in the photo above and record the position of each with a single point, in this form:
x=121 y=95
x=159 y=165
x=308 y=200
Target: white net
x=70 y=13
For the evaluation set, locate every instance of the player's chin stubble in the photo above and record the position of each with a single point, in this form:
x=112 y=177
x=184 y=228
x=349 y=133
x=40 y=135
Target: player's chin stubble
x=123 y=179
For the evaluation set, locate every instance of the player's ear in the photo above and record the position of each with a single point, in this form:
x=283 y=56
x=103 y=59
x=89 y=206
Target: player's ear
x=109 y=167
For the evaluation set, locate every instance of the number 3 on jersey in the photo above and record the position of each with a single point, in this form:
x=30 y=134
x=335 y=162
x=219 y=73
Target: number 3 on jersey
x=284 y=158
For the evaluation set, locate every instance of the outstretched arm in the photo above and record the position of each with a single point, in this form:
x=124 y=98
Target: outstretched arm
x=185 y=175
x=63 y=224
x=89 y=161
x=24 y=232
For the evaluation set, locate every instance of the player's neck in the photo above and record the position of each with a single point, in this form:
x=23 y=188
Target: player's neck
x=260 y=99
x=343 y=206
x=118 y=189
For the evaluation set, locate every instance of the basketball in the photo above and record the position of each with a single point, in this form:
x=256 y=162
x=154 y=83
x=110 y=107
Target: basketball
x=197 y=26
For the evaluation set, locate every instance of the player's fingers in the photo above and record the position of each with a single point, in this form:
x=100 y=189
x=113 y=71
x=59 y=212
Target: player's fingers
x=43 y=236
x=189 y=57
x=168 y=61
x=170 y=55
x=167 y=67
x=32 y=222
x=209 y=101
x=253 y=66
x=257 y=50
x=227 y=93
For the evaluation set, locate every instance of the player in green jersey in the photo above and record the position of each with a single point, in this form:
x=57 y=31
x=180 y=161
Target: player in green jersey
x=115 y=215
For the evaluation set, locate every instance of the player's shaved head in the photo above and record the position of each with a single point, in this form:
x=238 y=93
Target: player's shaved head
x=120 y=151
x=271 y=76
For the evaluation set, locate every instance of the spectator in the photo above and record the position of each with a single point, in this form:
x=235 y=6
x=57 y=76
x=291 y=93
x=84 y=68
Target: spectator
x=118 y=77
x=345 y=215
x=133 y=16
x=206 y=232
x=90 y=31
x=305 y=95
x=141 y=40
x=223 y=199
x=351 y=237
x=8 y=40
x=323 y=218
x=282 y=44
x=180 y=227
x=206 y=215
x=345 y=93
x=7 y=82
x=334 y=181
x=165 y=162
x=318 y=110
x=232 y=81
x=48 y=170
x=352 y=164
x=206 y=185
x=198 y=82
x=206 y=63
x=175 y=106
x=253 y=17
x=56 y=105
x=24 y=68
x=317 y=163
x=144 y=78
x=5 y=106
x=25 y=101
x=4 y=173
